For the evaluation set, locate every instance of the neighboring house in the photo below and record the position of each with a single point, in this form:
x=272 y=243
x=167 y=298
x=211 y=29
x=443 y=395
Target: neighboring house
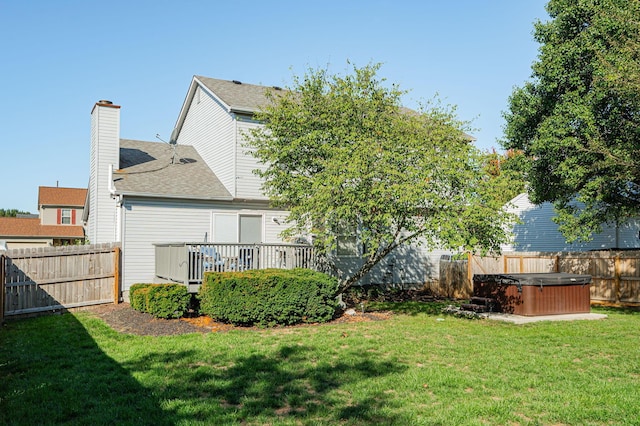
x=61 y=206
x=538 y=232
x=201 y=189
x=59 y=221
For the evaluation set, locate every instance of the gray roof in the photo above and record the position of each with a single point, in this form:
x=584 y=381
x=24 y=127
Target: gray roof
x=150 y=169
x=238 y=96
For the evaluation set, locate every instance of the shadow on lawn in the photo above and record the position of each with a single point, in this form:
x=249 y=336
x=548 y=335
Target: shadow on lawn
x=52 y=372
x=411 y=307
x=289 y=385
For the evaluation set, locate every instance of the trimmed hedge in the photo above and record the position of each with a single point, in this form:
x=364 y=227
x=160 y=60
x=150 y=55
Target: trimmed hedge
x=269 y=297
x=160 y=300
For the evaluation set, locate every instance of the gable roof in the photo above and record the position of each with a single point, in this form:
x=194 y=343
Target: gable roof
x=56 y=196
x=237 y=96
x=233 y=95
x=31 y=227
x=150 y=169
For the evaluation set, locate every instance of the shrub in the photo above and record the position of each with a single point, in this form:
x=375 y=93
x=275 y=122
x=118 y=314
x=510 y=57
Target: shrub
x=139 y=296
x=269 y=297
x=160 y=300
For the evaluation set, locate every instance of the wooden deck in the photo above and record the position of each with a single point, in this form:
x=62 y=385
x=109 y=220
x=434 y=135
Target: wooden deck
x=187 y=262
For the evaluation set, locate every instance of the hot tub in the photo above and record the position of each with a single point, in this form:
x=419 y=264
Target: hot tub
x=535 y=294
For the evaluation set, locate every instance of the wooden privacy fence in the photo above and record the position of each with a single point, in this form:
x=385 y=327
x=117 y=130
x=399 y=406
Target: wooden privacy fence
x=615 y=274
x=53 y=278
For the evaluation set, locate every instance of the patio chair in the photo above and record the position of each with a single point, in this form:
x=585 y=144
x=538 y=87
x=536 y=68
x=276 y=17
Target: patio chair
x=211 y=259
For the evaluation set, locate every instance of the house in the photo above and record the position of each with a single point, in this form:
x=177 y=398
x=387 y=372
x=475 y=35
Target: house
x=58 y=223
x=537 y=231
x=198 y=187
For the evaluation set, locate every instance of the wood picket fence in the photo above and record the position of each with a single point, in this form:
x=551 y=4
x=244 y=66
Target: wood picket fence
x=48 y=279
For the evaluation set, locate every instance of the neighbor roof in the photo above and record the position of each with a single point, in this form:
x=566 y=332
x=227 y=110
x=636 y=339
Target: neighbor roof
x=31 y=227
x=151 y=169
x=55 y=196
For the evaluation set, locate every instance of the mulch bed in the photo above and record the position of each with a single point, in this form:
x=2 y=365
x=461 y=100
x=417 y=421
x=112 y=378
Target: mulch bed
x=125 y=319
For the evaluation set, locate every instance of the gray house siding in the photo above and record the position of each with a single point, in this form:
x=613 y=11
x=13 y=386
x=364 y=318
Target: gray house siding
x=538 y=232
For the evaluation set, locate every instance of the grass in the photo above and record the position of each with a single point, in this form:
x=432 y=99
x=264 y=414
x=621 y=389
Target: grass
x=418 y=368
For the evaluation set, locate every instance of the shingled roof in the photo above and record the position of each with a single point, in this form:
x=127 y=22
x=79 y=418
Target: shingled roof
x=238 y=96
x=31 y=227
x=151 y=169
x=56 y=196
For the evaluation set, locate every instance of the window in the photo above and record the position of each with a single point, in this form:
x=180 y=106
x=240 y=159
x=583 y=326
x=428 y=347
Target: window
x=65 y=217
x=225 y=228
x=347 y=245
x=250 y=229
x=347 y=242
x=233 y=228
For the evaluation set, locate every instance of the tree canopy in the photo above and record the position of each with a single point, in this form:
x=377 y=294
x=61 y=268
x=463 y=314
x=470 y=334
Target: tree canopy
x=578 y=119
x=11 y=212
x=507 y=172
x=345 y=158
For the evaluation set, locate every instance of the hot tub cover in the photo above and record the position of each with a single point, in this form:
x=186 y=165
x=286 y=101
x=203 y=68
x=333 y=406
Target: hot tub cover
x=537 y=279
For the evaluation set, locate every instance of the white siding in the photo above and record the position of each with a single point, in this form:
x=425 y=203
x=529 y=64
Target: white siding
x=538 y=232
x=149 y=222
x=160 y=221
x=105 y=152
x=272 y=228
x=211 y=130
x=249 y=185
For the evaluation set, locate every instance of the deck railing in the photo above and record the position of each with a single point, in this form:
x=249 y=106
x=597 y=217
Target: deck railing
x=187 y=262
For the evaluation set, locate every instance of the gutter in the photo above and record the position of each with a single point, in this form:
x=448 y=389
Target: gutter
x=170 y=196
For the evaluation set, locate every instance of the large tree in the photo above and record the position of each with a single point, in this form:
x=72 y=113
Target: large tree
x=578 y=118
x=345 y=158
x=507 y=172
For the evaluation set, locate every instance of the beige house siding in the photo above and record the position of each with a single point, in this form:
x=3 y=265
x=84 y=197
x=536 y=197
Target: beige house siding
x=49 y=215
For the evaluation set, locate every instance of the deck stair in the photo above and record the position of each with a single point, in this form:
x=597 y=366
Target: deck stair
x=479 y=304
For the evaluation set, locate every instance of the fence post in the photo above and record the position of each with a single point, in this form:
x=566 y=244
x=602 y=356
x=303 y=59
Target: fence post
x=2 y=288
x=116 y=275
x=470 y=268
x=616 y=279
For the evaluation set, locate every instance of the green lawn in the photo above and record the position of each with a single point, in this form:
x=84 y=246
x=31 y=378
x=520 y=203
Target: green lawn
x=418 y=368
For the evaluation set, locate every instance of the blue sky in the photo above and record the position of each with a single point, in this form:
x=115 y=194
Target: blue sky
x=60 y=57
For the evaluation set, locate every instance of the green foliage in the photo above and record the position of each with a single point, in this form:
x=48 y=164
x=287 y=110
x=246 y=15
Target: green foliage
x=506 y=174
x=160 y=300
x=341 y=153
x=139 y=296
x=578 y=119
x=268 y=297
x=11 y=212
